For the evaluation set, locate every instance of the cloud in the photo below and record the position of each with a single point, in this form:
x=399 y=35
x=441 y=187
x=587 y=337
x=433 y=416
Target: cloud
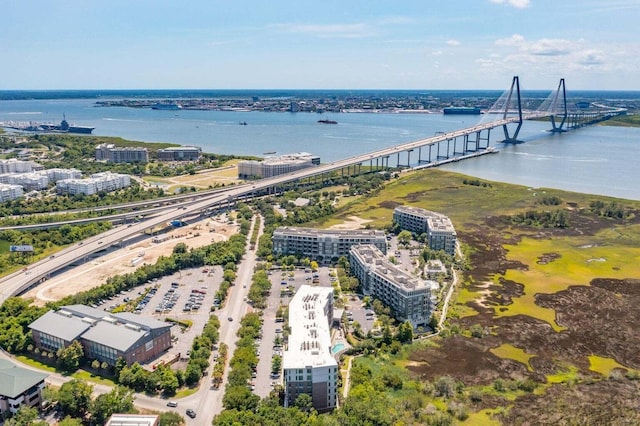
x=358 y=30
x=518 y=4
x=453 y=43
x=591 y=57
x=514 y=40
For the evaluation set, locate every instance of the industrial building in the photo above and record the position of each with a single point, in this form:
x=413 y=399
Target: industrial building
x=441 y=235
x=105 y=337
x=410 y=298
x=308 y=364
x=323 y=245
x=276 y=165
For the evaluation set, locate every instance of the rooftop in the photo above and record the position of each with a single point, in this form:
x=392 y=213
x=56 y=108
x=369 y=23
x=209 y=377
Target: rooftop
x=310 y=338
x=15 y=380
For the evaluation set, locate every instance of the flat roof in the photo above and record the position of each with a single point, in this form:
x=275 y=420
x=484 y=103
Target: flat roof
x=332 y=232
x=310 y=338
x=114 y=336
x=56 y=324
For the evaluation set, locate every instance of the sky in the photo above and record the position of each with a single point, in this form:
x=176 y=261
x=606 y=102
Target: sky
x=328 y=44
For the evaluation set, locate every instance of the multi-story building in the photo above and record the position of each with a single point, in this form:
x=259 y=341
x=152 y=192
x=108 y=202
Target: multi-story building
x=121 y=154
x=410 y=298
x=105 y=181
x=441 y=235
x=308 y=364
x=10 y=192
x=28 y=181
x=323 y=245
x=18 y=387
x=276 y=165
x=56 y=174
x=105 y=337
x=180 y=153
x=12 y=165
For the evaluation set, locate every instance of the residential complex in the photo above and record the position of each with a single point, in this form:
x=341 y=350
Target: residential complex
x=180 y=153
x=324 y=245
x=19 y=386
x=105 y=337
x=441 y=235
x=10 y=192
x=121 y=154
x=274 y=166
x=12 y=165
x=105 y=181
x=308 y=364
x=38 y=179
x=410 y=298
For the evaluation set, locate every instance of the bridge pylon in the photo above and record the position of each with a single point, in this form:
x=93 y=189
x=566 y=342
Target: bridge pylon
x=561 y=89
x=515 y=84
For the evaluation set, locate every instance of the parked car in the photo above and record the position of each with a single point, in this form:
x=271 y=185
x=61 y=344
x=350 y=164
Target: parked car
x=191 y=413
x=172 y=404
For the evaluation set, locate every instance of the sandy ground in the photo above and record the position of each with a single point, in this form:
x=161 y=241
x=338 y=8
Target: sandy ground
x=118 y=262
x=352 y=222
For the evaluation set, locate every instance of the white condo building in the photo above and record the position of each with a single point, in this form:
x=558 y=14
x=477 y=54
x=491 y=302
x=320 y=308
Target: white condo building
x=12 y=165
x=410 y=298
x=10 y=192
x=105 y=181
x=309 y=366
x=323 y=245
x=441 y=235
x=273 y=166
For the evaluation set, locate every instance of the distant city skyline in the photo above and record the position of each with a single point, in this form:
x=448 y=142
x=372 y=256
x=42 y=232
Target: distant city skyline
x=355 y=44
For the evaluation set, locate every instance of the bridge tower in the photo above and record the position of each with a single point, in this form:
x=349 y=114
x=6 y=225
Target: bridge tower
x=515 y=84
x=554 y=103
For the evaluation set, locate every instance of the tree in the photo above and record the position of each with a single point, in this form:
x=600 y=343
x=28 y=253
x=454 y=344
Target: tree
x=405 y=332
x=404 y=237
x=25 y=416
x=304 y=402
x=119 y=400
x=74 y=398
x=70 y=421
x=170 y=418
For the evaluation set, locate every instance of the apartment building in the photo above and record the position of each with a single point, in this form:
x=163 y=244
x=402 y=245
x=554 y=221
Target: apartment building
x=121 y=154
x=441 y=235
x=180 y=153
x=10 y=192
x=323 y=245
x=410 y=298
x=105 y=181
x=308 y=364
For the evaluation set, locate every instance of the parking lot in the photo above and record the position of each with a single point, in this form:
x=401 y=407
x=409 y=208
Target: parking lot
x=185 y=295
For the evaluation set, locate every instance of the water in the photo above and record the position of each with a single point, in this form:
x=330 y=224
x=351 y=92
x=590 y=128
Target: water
x=596 y=159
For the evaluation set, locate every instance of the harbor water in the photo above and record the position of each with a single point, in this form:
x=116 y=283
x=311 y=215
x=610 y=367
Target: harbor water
x=596 y=159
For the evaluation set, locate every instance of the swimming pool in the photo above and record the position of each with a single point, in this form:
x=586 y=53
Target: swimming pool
x=337 y=348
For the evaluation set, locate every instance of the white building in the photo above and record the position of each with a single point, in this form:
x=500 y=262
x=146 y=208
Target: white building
x=276 y=165
x=105 y=181
x=55 y=175
x=18 y=166
x=441 y=235
x=323 y=245
x=410 y=298
x=309 y=366
x=10 y=192
x=29 y=181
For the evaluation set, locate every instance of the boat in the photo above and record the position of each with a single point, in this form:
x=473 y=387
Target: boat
x=172 y=106
x=243 y=123
x=268 y=153
x=63 y=127
x=327 y=121
x=462 y=110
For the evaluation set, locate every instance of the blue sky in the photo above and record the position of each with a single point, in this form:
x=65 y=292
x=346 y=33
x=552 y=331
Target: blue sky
x=328 y=44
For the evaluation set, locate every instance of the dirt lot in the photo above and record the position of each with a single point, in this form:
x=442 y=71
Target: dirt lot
x=600 y=319
x=95 y=272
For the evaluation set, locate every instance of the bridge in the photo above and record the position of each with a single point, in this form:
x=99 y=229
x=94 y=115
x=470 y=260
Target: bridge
x=439 y=149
